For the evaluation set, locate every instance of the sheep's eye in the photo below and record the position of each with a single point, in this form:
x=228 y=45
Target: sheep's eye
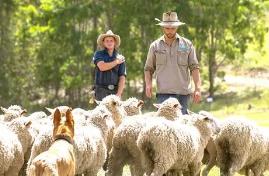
x=175 y=105
x=114 y=103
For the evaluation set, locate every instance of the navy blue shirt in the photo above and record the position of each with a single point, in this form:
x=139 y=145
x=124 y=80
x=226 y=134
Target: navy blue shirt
x=109 y=77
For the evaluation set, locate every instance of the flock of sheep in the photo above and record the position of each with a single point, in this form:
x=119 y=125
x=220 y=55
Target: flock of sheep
x=159 y=143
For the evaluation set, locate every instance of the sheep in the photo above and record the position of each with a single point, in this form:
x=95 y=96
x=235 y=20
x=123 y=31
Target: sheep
x=132 y=106
x=167 y=145
x=124 y=148
x=242 y=145
x=14 y=111
x=89 y=142
x=14 y=141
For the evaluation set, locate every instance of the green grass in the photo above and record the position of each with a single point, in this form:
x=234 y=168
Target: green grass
x=234 y=104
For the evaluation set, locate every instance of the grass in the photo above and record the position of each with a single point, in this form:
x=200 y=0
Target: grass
x=251 y=103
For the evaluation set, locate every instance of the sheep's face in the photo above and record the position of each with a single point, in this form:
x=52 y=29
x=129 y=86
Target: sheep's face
x=213 y=121
x=132 y=106
x=100 y=115
x=112 y=103
x=170 y=108
x=63 y=126
x=14 y=111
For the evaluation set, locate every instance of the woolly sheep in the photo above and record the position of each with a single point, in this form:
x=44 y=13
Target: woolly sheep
x=124 y=148
x=242 y=145
x=12 y=112
x=172 y=145
x=14 y=141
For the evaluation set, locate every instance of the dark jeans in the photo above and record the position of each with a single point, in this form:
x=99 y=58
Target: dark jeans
x=183 y=100
x=101 y=92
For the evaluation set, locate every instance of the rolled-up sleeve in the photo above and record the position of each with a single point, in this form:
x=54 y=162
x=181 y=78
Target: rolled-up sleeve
x=192 y=60
x=98 y=56
x=150 y=64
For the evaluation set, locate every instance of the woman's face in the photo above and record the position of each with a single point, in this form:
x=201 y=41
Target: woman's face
x=109 y=43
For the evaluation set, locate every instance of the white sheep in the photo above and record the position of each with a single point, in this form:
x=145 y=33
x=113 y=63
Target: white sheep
x=242 y=145
x=167 y=145
x=89 y=142
x=14 y=142
x=12 y=112
x=125 y=150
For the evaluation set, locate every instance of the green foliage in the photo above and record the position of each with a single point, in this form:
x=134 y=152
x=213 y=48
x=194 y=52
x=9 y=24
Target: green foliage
x=46 y=46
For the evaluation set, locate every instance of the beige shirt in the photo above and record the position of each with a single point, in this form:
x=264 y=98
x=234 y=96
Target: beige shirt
x=172 y=65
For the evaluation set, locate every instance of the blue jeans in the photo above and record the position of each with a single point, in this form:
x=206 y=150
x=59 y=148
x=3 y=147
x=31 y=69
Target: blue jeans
x=183 y=100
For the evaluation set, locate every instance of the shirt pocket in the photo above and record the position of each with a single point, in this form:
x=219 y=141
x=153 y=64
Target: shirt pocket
x=160 y=57
x=182 y=58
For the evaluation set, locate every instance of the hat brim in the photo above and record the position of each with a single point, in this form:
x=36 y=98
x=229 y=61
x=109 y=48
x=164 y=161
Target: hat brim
x=101 y=37
x=170 y=24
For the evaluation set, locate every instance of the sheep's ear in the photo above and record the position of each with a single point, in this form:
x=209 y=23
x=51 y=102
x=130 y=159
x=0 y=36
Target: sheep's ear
x=56 y=117
x=175 y=105
x=50 y=110
x=27 y=124
x=140 y=103
x=97 y=101
x=157 y=105
x=4 y=109
x=23 y=112
x=69 y=116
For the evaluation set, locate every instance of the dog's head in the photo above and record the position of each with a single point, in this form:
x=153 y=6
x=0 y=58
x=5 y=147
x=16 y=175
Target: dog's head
x=63 y=125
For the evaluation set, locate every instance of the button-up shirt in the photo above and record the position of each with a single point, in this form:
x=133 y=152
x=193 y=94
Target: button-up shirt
x=109 y=77
x=172 y=65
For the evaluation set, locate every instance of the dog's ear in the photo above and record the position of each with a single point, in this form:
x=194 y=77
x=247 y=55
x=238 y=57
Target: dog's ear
x=69 y=116
x=56 y=117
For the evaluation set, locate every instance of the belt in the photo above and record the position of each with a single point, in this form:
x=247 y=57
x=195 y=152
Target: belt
x=109 y=87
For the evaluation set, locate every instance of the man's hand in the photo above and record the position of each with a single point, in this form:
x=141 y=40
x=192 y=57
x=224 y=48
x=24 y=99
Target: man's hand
x=149 y=91
x=196 y=97
x=120 y=59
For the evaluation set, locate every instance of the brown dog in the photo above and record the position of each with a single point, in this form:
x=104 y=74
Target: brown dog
x=59 y=160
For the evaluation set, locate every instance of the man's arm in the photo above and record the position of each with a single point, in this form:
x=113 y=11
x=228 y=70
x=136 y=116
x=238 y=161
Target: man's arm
x=148 y=81
x=121 y=85
x=104 y=66
x=197 y=83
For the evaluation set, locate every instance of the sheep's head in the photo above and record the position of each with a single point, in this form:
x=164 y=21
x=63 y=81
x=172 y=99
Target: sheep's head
x=132 y=106
x=169 y=109
x=215 y=124
x=112 y=103
x=12 y=112
x=63 y=125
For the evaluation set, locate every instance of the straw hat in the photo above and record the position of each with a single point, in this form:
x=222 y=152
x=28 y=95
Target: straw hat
x=170 y=19
x=109 y=33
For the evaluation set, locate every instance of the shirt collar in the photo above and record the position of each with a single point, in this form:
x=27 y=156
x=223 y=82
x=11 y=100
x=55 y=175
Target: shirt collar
x=163 y=39
x=114 y=52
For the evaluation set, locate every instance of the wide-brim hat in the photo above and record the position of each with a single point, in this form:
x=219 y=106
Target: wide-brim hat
x=170 y=19
x=109 y=33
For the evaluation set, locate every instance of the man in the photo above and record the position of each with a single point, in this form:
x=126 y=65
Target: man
x=110 y=69
x=174 y=61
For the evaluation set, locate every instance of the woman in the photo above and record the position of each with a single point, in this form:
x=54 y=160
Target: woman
x=110 y=71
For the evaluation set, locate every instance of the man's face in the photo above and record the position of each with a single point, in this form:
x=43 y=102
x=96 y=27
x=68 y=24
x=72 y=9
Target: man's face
x=109 y=43
x=170 y=32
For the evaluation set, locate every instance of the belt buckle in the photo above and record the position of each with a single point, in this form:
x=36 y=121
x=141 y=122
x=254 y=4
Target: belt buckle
x=111 y=87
